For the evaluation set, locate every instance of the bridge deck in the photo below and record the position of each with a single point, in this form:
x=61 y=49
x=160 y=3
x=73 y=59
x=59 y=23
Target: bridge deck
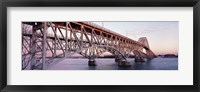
x=89 y=25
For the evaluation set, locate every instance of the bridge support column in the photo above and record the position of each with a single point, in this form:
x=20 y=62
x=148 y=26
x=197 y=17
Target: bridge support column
x=92 y=62
x=140 y=59
x=123 y=63
x=117 y=59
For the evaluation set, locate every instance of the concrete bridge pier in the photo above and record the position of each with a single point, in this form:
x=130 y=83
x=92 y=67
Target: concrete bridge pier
x=140 y=59
x=123 y=63
x=92 y=62
x=117 y=59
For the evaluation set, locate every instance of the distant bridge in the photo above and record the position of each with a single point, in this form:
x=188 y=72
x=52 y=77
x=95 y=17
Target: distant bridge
x=42 y=42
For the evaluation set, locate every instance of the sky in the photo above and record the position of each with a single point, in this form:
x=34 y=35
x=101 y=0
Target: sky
x=162 y=36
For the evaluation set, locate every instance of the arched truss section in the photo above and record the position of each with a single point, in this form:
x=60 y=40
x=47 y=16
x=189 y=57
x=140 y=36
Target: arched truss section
x=148 y=54
x=95 y=51
x=144 y=41
x=139 y=55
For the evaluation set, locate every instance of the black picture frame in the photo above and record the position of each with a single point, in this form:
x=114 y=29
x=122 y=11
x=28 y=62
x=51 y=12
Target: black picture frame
x=100 y=3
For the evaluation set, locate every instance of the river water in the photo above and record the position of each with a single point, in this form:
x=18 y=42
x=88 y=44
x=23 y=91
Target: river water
x=109 y=64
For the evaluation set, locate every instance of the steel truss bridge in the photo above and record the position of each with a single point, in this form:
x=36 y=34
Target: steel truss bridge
x=42 y=42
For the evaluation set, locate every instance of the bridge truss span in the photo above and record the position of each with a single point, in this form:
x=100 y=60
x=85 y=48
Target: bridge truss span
x=42 y=42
